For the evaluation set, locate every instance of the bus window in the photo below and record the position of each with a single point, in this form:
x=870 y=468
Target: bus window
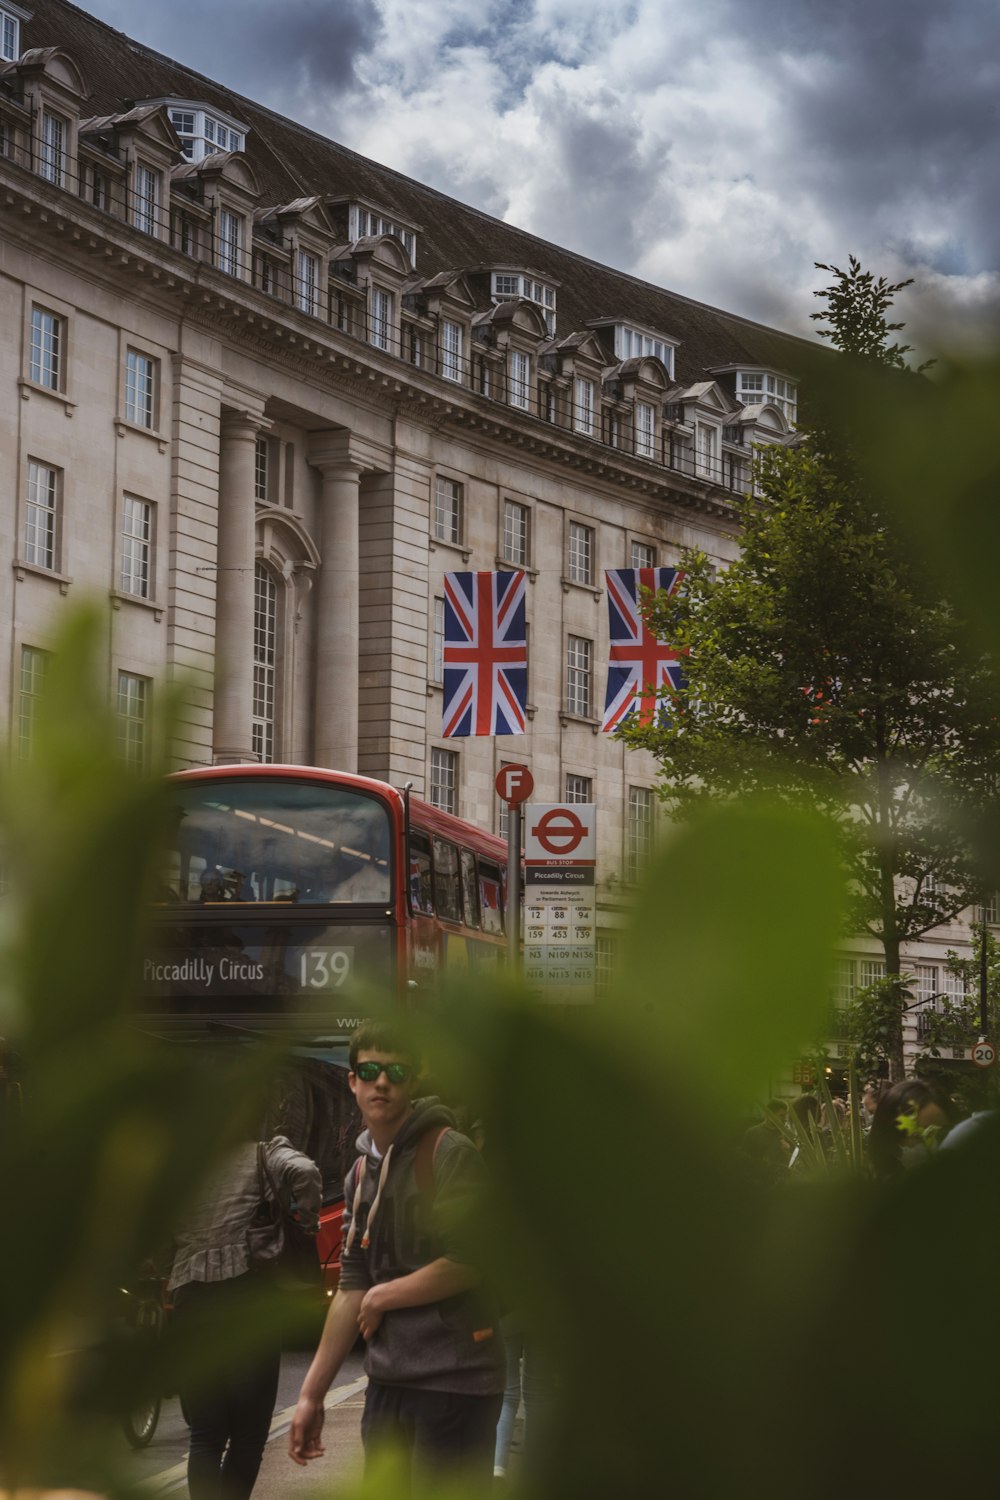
x=470 y=890
x=302 y=843
x=421 y=893
x=490 y=896
x=446 y=893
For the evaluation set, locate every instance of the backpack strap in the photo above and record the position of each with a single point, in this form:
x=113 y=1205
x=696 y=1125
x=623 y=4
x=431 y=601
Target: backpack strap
x=423 y=1165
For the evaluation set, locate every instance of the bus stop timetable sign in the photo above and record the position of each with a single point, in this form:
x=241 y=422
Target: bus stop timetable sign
x=560 y=900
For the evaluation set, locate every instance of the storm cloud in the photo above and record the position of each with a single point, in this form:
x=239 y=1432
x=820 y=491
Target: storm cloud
x=718 y=150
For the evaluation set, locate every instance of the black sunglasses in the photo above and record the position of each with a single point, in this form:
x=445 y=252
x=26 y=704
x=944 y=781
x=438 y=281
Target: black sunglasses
x=368 y=1072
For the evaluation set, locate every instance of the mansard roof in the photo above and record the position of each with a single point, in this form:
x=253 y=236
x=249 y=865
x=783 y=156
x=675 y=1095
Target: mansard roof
x=291 y=161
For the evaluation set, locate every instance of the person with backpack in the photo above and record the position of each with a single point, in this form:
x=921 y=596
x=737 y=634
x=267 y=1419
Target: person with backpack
x=435 y=1358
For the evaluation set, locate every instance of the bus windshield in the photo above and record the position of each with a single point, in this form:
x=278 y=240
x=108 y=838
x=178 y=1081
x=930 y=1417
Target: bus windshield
x=298 y=843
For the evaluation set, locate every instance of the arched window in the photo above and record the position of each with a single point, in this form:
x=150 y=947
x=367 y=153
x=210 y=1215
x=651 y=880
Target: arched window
x=265 y=625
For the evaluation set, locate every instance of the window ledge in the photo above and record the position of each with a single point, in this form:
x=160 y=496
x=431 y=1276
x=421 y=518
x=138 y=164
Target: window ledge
x=122 y=426
x=438 y=543
x=433 y=688
x=21 y=568
x=118 y=597
x=574 y=583
x=566 y=717
x=506 y=566
x=29 y=388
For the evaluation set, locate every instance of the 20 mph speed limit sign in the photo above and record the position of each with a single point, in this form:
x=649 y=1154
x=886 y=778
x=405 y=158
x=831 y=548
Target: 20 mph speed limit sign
x=984 y=1054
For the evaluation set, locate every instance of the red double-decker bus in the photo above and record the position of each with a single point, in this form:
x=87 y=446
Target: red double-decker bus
x=289 y=898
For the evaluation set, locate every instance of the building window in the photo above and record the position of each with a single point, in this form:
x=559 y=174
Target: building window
x=547 y=402
x=10 y=38
x=230 y=242
x=639 y=831
x=515 y=533
x=990 y=911
x=265 y=625
x=580 y=559
x=604 y=957
x=754 y=387
x=507 y=285
x=41 y=515
x=307 y=283
x=871 y=970
x=444 y=780
x=416 y=348
x=380 y=333
x=45 y=366
x=448 y=510
x=363 y=222
x=707 y=452
x=137 y=547
x=34 y=666
x=520 y=379
x=579 y=676
x=632 y=343
x=437 y=641
x=643 y=555
x=578 y=789
x=201 y=134
x=262 y=470
x=133 y=720
x=100 y=189
x=645 y=430
x=146 y=199
x=52 y=158
x=844 y=984
x=140 y=389
x=953 y=987
x=925 y=986
x=583 y=406
x=451 y=350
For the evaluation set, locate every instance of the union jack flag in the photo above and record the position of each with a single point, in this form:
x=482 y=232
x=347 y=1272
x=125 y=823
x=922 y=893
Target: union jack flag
x=639 y=664
x=485 y=654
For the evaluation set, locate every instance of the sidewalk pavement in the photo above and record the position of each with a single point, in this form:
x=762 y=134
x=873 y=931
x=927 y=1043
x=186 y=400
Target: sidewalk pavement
x=280 y=1478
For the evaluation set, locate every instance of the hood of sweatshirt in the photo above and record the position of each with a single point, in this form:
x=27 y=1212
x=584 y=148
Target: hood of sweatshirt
x=426 y=1114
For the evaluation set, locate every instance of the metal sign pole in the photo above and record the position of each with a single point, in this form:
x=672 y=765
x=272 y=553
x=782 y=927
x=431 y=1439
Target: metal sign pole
x=514 y=887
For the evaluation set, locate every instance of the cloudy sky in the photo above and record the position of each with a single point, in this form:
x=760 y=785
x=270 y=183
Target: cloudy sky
x=716 y=148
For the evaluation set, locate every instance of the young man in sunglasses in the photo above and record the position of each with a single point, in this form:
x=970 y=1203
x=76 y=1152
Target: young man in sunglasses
x=435 y=1359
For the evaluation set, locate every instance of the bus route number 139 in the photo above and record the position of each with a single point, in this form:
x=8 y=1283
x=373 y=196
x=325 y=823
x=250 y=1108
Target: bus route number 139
x=324 y=968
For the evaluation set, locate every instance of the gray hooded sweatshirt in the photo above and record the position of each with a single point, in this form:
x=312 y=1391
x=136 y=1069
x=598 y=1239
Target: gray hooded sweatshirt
x=394 y=1225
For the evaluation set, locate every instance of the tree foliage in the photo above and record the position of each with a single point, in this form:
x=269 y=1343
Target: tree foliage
x=825 y=663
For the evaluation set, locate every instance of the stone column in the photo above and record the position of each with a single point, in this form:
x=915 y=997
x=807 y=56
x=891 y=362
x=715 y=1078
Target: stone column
x=337 y=619
x=233 y=736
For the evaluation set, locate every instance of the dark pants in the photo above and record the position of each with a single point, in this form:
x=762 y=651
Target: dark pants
x=437 y=1434
x=230 y=1414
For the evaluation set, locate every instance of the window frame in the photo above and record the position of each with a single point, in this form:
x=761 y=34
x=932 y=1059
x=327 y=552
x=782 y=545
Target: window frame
x=649 y=548
x=264 y=725
x=145 y=203
x=446 y=762
x=10 y=25
x=133 y=728
x=579 y=675
x=138 y=552
x=380 y=324
x=456 y=508
x=578 y=790
x=514 y=551
x=49 y=361
x=52 y=154
x=452 y=350
x=307 y=286
x=583 y=410
x=639 y=831
x=229 y=247
x=47 y=556
x=645 y=433
x=145 y=418
x=576 y=573
x=519 y=386
x=27 y=697
x=435 y=662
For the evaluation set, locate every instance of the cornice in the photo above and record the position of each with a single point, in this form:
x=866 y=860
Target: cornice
x=270 y=330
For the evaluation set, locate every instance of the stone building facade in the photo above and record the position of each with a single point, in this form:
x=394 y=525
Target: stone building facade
x=260 y=394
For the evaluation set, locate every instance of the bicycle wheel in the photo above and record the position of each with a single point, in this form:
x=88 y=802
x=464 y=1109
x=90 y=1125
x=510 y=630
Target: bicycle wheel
x=139 y=1422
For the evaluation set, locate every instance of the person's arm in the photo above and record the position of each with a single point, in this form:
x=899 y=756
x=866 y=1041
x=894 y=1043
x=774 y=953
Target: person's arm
x=336 y=1342
x=431 y=1283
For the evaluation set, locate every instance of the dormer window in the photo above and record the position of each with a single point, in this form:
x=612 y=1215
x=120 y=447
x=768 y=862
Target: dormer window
x=203 y=131
x=636 y=343
x=10 y=33
x=759 y=387
x=363 y=222
x=506 y=285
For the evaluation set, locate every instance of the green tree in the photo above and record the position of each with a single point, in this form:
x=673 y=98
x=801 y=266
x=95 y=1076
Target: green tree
x=825 y=663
